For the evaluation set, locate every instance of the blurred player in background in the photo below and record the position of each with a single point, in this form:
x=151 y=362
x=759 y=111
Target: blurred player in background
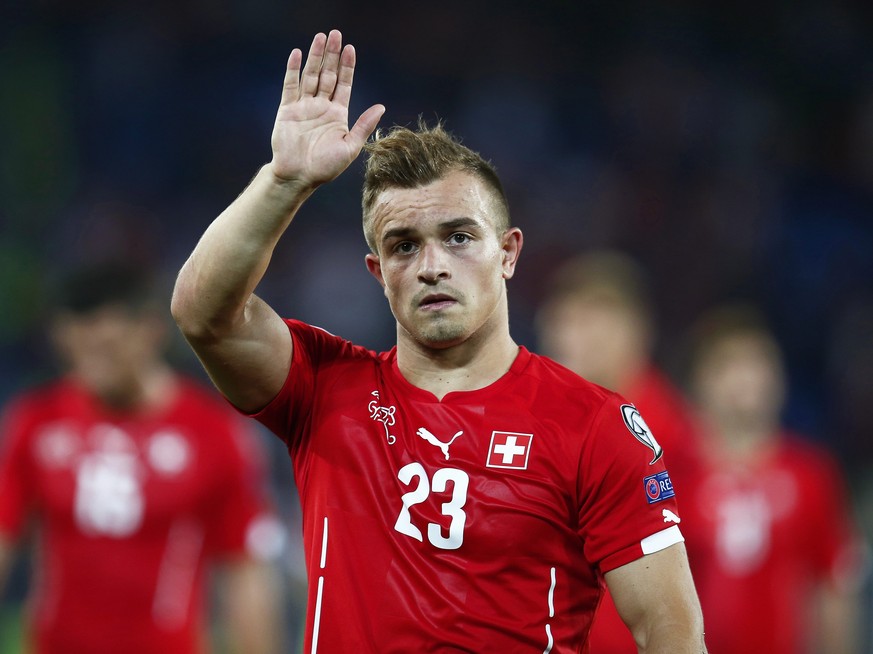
x=134 y=482
x=596 y=318
x=775 y=555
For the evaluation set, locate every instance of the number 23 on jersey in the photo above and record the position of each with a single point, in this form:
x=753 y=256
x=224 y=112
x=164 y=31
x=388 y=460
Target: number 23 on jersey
x=415 y=476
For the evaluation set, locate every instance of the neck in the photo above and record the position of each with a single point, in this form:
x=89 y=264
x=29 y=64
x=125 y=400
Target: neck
x=743 y=440
x=626 y=376
x=473 y=364
x=152 y=388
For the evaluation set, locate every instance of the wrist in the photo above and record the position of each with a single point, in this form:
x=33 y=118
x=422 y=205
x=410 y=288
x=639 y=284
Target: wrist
x=293 y=185
x=289 y=192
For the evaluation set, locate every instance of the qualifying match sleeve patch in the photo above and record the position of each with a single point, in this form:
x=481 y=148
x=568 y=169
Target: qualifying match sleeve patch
x=658 y=487
x=638 y=427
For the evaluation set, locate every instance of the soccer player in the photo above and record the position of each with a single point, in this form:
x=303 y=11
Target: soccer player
x=596 y=319
x=775 y=555
x=137 y=482
x=459 y=493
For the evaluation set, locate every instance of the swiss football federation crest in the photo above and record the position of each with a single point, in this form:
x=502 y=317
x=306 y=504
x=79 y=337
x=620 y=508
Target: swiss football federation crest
x=383 y=414
x=640 y=430
x=509 y=450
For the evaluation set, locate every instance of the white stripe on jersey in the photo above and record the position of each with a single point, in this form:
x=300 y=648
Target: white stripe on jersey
x=552 y=596
x=317 y=618
x=551 y=613
x=324 y=545
x=176 y=575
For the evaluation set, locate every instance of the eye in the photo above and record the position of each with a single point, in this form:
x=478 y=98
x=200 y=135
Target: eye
x=459 y=238
x=404 y=247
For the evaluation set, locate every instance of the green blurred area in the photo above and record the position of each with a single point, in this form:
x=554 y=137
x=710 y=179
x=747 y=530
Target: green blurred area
x=10 y=631
x=12 y=636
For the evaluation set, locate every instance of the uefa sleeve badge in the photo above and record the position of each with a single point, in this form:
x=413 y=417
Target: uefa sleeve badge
x=638 y=427
x=659 y=487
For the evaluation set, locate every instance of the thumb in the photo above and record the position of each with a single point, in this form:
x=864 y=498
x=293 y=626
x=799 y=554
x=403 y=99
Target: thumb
x=364 y=126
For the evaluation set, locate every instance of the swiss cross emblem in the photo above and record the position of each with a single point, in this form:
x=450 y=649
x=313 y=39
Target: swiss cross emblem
x=509 y=450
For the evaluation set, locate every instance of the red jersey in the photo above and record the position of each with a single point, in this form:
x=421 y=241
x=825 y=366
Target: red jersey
x=481 y=522
x=673 y=424
x=129 y=508
x=761 y=535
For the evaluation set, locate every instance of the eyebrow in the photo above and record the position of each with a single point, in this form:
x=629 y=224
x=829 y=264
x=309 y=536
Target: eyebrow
x=454 y=223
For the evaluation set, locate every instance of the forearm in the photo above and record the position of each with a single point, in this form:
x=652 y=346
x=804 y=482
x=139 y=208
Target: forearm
x=674 y=628
x=655 y=597
x=218 y=279
x=839 y=622
x=674 y=639
x=252 y=609
x=243 y=344
x=312 y=144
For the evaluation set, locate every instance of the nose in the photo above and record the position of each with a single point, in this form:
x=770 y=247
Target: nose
x=105 y=331
x=433 y=263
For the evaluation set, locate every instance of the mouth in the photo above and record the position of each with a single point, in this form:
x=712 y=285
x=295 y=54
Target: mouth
x=436 y=302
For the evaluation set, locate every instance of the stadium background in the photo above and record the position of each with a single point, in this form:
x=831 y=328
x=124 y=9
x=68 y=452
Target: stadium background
x=729 y=149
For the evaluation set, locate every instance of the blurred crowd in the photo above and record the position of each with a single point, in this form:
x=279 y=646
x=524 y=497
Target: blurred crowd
x=727 y=150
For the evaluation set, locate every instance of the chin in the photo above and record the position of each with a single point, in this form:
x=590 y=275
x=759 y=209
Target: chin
x=441 y=336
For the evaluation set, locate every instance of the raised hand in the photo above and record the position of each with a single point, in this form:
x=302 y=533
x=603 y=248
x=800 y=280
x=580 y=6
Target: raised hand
x=312 y=142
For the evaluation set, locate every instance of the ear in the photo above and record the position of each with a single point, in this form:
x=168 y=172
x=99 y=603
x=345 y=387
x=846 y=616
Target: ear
x=375 y=268
x=510 y=244
x=157 y=328
x=59 y=335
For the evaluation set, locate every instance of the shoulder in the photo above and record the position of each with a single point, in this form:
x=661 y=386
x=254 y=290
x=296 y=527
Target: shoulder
x=607 y=425
x=322 y=360
x=807 y=456
x=654 y=389
x=35 y=400
x=556 y=384
x=549 y=371
x=26 y=414
x=583 y=410
x=319 y=344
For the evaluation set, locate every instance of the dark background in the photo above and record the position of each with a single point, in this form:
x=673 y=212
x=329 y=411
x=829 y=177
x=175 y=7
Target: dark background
x=727 y=146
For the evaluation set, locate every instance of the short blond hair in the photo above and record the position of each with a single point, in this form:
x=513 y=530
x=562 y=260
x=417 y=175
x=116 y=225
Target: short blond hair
x=406 y=158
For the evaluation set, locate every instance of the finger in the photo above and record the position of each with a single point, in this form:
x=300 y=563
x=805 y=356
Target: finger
x=345 y=75
x=309 y=80
x=291 y=85
x=365 y=125
x=327 y=79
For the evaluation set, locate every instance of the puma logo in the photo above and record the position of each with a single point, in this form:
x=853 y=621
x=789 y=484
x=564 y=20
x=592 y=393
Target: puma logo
x=669 y=516
x=433 y=440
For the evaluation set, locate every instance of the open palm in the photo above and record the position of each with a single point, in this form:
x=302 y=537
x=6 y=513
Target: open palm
x=312 y=142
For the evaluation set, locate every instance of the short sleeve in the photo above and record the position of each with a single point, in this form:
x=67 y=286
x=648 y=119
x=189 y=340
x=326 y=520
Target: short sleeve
x=627 y=505
x=314 y=347
x=16 y=471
